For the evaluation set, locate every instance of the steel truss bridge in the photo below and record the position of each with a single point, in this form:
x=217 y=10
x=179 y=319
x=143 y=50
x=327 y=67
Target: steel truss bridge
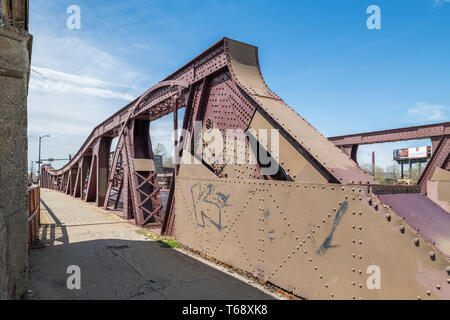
x=439 y=134
x=318 y=227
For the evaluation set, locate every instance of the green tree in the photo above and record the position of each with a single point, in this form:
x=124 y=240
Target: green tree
x=168 y=162
x=379 y=172
x=160 y=150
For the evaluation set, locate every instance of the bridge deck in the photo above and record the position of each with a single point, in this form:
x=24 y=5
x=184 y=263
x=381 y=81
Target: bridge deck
x=117 y=262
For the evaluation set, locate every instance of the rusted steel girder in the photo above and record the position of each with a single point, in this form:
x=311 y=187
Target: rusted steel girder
x=439 y=159
x=438 y=133
x=274 y=226
x=88 y=175
x=392 y=135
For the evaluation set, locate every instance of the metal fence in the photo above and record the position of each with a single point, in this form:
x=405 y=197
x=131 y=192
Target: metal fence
x=34 y=214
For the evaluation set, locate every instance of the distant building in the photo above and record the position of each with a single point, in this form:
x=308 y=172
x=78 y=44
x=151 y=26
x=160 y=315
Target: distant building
x=158 y=160
x=165 y=174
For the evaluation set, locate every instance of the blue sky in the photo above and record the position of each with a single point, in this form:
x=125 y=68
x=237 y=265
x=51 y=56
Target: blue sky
x=319 y=56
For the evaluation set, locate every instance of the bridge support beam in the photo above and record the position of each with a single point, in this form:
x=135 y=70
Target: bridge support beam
x=143 y=182
x=440 y=159
x=117 y=183
x=85 y=165
x=98 y=172
x=435 y=142
x=133 y=178
x=72 y=180
x=438 y=134
x=91 y=187
x=76 y=189
x=351 y=150
x=101 y=151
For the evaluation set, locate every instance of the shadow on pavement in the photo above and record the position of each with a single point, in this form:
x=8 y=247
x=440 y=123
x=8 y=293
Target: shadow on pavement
x=48 y=235
x=127 y=269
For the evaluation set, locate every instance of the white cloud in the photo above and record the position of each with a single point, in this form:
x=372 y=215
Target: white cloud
x=49 y=86
x=78 y=66
x=424 y=111
x=440 y=2
x=67 y=77
x=80 y=56
x=78 y=81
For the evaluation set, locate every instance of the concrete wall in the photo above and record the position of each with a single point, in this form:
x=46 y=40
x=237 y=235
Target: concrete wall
x=15 y=46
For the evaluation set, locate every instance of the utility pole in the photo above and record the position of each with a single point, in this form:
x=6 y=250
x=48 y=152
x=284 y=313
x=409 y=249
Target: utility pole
x=410 y=169
x=31 y=171
x=373 y=163
x=39 y=162
x=402 y=169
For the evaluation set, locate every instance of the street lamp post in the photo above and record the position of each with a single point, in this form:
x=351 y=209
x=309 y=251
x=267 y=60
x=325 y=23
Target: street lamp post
x=39 y=162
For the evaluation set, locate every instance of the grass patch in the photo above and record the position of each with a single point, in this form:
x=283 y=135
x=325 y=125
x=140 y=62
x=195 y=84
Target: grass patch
x=165 y=241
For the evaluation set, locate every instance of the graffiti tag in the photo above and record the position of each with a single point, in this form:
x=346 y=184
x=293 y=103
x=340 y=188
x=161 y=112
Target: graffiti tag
x=208 y=195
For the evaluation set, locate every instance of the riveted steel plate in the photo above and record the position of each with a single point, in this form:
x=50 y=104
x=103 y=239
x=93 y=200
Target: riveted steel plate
x=424 y=216
x=316 y=240
x=244 y=67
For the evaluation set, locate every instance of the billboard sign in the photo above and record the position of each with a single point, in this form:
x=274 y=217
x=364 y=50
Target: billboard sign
x=412 y=153
x=417 y=153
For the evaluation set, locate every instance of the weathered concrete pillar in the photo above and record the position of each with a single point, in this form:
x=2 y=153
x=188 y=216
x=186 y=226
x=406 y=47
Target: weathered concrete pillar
x=15 y=51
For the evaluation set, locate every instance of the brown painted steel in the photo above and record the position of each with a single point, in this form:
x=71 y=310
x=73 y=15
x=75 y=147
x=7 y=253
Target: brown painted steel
x=438 y=133
x=424 y=216
x=313 y=228
x=392 y=135
x=315 y=240
x=440 y=159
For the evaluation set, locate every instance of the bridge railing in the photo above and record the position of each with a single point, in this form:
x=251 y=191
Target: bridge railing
x=34 y=214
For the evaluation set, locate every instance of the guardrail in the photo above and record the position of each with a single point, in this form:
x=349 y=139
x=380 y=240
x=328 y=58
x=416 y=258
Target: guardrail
x=34 y=214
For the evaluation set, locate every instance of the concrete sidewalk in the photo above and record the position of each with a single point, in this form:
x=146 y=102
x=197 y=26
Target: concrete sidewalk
x=117 y=262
